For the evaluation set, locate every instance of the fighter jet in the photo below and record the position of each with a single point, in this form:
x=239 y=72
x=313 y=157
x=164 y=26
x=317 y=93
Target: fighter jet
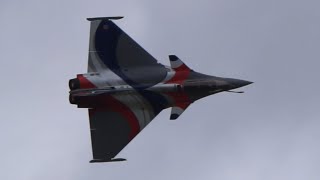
x=125 y=88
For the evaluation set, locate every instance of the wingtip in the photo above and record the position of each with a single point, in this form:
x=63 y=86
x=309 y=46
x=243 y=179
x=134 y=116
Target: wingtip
x=105 y=18
x=107 y=160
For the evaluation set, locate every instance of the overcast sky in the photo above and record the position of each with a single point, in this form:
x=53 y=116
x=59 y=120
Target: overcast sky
x=269 y=132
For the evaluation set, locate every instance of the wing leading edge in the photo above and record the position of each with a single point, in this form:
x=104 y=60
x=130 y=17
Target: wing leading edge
x=110 y=48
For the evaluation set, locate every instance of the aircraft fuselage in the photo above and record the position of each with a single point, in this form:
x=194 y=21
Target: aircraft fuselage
x=84 y=94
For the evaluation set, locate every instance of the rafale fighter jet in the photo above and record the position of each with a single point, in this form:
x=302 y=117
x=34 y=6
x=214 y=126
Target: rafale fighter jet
x=125 y=88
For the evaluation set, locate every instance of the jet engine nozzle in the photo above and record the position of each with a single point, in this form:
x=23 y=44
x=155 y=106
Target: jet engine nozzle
x=73 y=99
x=74 y=84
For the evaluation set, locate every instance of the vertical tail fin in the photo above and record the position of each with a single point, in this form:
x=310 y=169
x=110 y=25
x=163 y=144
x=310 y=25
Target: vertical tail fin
x=177 y=64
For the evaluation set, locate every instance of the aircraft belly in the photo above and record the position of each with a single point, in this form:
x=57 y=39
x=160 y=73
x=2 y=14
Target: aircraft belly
x=126 y=88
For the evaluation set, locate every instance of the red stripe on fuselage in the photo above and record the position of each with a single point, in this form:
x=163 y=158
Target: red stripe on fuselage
x=182 y=73
x=84 y=82
x=183 y=105
x=181 y=99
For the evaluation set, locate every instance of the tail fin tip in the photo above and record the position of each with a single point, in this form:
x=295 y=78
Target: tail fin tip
x=177 y=64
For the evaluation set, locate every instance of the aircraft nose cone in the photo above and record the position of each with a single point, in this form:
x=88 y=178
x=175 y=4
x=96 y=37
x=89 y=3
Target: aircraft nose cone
x=237 y=83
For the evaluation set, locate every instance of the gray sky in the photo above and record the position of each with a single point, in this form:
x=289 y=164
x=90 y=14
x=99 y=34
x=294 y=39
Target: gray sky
x=270 y=132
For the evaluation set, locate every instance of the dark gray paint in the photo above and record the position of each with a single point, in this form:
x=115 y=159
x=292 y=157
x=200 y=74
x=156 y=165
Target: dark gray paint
x=109 y=134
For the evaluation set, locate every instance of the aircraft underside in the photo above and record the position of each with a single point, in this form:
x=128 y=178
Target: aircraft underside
x=125 y=88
